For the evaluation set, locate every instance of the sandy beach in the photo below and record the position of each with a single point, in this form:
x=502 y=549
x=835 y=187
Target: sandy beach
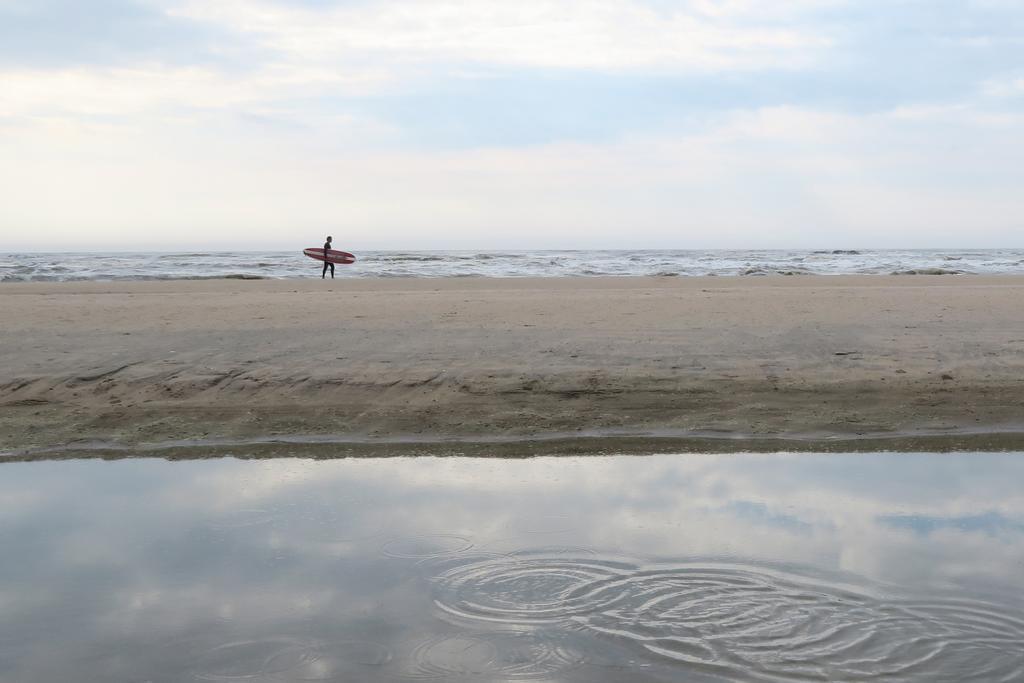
x=419 y=359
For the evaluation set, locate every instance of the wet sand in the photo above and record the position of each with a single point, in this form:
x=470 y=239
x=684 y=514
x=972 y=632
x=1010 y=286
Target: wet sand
x=743 y=360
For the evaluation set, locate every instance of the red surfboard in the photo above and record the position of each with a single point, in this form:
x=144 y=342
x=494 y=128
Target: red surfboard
x=333 y=256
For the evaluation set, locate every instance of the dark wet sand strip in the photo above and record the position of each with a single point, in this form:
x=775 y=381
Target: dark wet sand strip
x=334 y=448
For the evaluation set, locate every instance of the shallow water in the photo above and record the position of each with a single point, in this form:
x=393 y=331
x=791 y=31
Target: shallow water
x=59 y=267
x=690 y=567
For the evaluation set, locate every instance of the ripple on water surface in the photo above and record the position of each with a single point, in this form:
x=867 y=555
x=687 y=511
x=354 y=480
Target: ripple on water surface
x=505 y=655
x=522 y=588
x=291 y=659
x=330 y=661
x=425 y=546
x=251 y=659
x=244 y=518
x=742 y=621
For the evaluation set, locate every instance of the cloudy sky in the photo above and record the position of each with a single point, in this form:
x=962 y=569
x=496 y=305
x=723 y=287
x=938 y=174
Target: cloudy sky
x=490 y=123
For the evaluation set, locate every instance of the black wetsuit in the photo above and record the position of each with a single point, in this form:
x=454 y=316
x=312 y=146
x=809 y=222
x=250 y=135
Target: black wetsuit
x=327 y=247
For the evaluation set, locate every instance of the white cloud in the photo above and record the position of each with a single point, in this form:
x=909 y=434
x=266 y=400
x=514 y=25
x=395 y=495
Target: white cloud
x=159 y=89
x=582 y=34
x=1004 y=87
x=367 y=48
x=767 y=177
x=92 y=155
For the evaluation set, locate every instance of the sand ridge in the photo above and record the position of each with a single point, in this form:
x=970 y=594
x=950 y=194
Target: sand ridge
x=135 y=362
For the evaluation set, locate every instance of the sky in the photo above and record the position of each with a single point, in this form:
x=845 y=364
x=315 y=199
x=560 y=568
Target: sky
x=419 y=124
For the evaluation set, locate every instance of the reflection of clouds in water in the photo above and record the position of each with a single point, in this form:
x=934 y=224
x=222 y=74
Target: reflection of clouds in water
x=292 y=659
x=251 y=659
x=526 y=588
x=761 y=514
x=426 y=546
x=992 y=523
x=817 y=493
x=137 y=551
x=13 y=503
x=741 y=620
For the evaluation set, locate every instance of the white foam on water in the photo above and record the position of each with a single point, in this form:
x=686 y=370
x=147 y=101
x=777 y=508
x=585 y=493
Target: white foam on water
x=45 y=267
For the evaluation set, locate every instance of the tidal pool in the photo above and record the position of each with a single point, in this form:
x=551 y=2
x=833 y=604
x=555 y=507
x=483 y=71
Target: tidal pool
x=769 y=567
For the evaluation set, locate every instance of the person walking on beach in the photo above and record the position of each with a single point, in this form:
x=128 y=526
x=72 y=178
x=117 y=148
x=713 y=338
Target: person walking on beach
x=327 y=247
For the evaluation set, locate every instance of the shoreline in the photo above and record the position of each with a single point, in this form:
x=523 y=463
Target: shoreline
x=292 y=264
x=326 y=447
x=746 y=362
x=408 y=282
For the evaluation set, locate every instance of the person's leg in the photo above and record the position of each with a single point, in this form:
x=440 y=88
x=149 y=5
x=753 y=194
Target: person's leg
x=324 y=274
x=332 y=271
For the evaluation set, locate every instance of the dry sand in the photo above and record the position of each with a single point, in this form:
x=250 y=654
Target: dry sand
x=138 y=362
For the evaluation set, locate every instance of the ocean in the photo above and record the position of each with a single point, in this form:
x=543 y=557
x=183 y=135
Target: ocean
x=49 y=267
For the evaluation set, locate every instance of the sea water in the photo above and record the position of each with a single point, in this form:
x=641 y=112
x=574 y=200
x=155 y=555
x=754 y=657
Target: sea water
x=36 y=267
x=775 y=567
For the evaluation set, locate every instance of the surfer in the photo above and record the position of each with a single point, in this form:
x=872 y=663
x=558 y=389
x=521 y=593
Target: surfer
x=327 y=247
